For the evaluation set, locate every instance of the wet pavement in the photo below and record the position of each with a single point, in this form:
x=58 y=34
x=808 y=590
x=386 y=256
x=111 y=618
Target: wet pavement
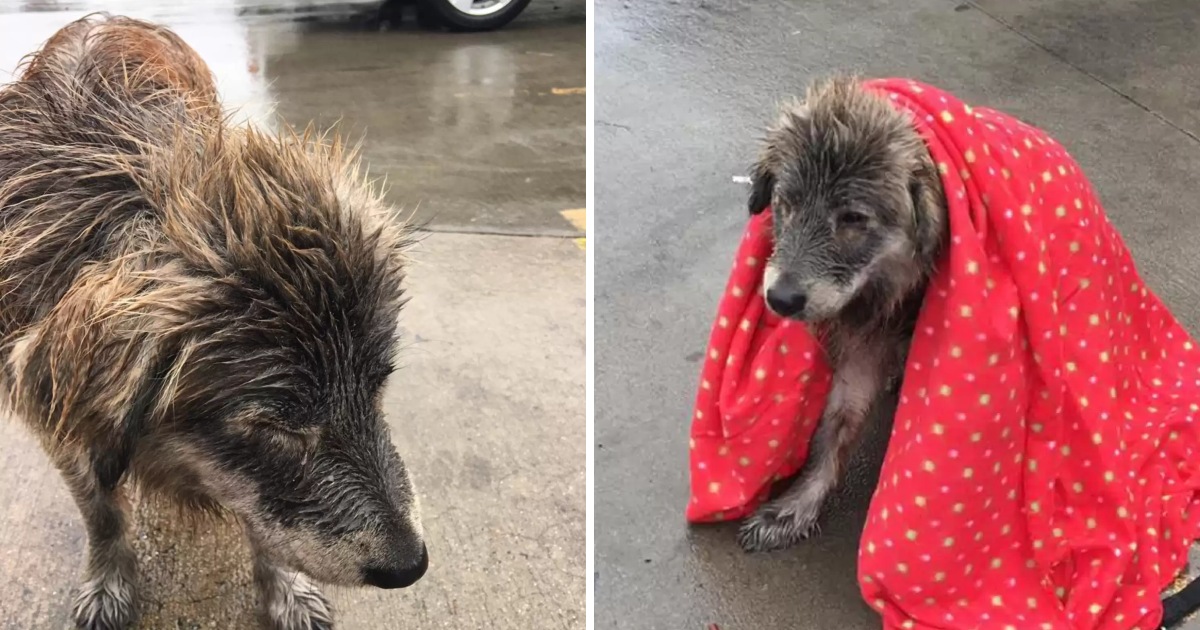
x=1114 y=81
x=481 y=132
x=476 y=133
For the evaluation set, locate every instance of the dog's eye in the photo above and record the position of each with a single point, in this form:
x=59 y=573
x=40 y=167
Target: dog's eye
x=852 y=218
x=285 y=431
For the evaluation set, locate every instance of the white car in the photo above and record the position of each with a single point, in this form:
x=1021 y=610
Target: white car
x=472 y=15
x=461 y=15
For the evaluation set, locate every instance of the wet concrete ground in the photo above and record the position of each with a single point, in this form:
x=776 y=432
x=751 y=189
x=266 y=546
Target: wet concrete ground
x=488 y=409
x=481 y=132
x=682 y=92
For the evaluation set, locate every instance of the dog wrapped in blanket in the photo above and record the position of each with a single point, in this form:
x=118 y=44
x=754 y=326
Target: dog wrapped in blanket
x=1042 y=470
x=204 y=311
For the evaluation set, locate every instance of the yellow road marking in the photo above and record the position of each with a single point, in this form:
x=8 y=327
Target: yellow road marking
x=578 y=218
x=568 y=91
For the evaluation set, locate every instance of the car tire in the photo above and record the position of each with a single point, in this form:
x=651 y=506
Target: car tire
x=445 y=12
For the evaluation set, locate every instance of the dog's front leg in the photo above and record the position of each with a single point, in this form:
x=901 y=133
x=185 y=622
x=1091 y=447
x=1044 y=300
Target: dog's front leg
x=793 y=516
x=108 y=599
x=289 y=599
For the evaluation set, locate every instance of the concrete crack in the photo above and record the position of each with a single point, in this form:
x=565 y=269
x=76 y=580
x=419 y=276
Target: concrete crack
x=605 y=123
x=558 y=234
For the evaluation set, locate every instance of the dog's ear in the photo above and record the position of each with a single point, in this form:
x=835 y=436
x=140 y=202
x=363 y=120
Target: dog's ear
x=929 y=209
x=762 y=187
x=782 y=144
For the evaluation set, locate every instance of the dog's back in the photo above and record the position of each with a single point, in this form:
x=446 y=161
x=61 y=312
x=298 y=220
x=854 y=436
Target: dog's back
x=135 y=223
x=73 y=131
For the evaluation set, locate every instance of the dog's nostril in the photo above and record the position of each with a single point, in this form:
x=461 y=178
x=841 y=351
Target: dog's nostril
x=397 y=578
x=786 y=301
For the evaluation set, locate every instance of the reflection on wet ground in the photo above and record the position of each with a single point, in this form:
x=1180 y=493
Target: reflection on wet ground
x=476 y=132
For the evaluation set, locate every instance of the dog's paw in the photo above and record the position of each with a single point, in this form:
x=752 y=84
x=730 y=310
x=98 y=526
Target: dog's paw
x=295 y=603
x=106 y=603
x=773 y=528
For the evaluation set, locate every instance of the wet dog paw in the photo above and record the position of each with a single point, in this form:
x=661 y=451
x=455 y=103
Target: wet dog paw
x=296 y=604
x=772 y=528
x=106 y=603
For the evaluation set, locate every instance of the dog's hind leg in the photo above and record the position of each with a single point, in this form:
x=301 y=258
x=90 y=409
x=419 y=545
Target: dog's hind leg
x=290 y=601
x=793 y=516
x=108 y=599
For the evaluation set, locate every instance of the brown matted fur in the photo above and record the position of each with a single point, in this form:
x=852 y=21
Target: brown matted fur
x=203 y=310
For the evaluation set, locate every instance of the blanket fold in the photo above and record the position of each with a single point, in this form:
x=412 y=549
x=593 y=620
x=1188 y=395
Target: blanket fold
x=1043 y=468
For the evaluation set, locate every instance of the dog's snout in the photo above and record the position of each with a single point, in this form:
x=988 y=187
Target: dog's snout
x=399 y=576
x=786 y=300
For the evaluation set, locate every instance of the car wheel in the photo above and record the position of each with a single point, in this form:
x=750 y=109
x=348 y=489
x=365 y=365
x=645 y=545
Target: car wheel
x=474 y=15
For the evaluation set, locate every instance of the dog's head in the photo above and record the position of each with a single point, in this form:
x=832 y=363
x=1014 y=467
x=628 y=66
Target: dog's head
x=277 y=391
x=857 y=203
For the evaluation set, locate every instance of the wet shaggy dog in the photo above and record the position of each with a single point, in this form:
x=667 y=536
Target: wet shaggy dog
x=859 y=224
x=201 y=310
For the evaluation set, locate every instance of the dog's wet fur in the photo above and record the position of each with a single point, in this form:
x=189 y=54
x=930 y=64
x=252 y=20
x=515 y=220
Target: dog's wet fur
x=860 y=222
x=204 y=311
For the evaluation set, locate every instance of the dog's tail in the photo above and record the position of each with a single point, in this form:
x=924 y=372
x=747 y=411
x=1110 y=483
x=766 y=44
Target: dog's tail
x=121 y=60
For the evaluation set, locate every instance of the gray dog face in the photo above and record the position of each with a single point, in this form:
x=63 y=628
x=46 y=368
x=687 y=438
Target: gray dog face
x=332 y=498
x=854 y=197
x=279 y=392
x=295 y=443
x=338 y=503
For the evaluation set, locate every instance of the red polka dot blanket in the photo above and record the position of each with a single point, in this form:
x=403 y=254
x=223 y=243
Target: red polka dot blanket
x=1043 y=467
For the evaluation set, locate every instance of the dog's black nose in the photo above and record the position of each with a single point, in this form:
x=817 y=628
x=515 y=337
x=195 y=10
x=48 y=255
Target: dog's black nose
x=397 y=577
x=786 y=300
